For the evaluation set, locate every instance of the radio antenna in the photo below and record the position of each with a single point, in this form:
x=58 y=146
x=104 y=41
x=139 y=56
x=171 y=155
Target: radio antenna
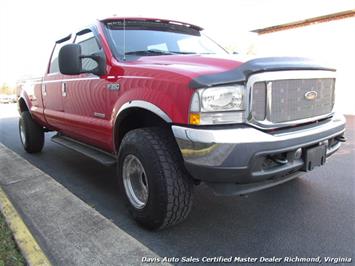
x=124 y=39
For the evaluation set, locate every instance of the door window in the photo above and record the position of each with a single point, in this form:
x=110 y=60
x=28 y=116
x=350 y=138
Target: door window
x=89 y=45
x=54 y=66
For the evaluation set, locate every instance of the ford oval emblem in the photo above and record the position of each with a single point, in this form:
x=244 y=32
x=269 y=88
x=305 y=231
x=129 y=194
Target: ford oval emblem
x=311 y=95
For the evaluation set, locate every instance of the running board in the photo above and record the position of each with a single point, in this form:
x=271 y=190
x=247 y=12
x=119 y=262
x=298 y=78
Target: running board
x=94 y=153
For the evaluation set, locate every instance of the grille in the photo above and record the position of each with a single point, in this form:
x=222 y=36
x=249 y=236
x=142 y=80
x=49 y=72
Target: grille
x=259 y=101
x=286 y=100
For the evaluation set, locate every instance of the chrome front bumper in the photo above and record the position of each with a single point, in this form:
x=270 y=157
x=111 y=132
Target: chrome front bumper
x=237 y=155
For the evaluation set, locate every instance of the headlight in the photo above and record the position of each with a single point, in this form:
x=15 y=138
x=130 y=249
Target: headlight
x=218 y=105
x=222 y=99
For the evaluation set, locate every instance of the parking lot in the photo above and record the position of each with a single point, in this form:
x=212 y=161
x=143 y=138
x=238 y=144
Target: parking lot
x=307 y=217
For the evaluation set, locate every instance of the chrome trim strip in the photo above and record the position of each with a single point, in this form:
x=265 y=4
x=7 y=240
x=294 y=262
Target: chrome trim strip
x=233 y=148
x=281 y=75
x=250 y=134
x=89 y=78
x=135 y=77
x=67 y=80
x=268 y=100
x=147 y=106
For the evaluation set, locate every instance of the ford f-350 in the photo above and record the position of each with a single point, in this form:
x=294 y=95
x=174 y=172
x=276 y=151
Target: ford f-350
x=171 y=108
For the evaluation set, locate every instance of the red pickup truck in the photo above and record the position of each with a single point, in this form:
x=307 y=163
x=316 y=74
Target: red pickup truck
x=171 y=108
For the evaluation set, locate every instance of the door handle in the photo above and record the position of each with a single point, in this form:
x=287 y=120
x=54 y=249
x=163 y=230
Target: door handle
x=64 y=89
x=44 y=89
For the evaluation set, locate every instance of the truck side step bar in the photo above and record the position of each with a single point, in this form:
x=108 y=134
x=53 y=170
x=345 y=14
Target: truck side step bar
x=94 y=153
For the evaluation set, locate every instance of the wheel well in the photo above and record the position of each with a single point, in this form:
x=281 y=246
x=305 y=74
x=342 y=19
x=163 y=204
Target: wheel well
x=22 y=105
x=134 y=118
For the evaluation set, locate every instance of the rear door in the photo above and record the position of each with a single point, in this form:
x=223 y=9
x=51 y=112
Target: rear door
x=85 y=99
x=52 y=89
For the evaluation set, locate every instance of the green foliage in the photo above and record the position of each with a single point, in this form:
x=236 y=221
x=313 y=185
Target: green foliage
x=9 y=254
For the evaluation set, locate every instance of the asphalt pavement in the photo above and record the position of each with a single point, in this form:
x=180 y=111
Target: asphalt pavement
x=311 y=216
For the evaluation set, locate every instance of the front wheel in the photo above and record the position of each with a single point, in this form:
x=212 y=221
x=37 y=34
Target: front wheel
x=153 y=180
x=31 y=134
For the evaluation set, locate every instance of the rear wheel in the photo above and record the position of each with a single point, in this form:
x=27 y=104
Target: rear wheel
x=153 y=180
x=31 y=134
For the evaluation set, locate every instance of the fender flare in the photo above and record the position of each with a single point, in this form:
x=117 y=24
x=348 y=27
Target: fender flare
x=23 y=97
x=142 y=105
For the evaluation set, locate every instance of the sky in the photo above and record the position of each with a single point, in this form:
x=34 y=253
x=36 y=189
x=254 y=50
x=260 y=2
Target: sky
x=28 y=29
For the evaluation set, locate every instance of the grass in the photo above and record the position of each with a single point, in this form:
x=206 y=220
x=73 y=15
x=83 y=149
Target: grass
x=9 y=253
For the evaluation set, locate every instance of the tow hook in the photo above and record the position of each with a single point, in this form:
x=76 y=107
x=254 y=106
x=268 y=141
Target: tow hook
x=279 y=160
x=340 y=138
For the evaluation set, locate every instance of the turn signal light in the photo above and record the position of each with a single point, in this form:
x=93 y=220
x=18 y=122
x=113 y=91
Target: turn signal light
x=194 y=119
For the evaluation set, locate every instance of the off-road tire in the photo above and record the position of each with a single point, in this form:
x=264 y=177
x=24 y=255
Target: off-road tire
x=33 y=133
x=170 y=187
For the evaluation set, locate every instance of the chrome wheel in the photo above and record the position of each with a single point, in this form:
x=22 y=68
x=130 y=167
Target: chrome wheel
x=135 y=181
x=22 y=134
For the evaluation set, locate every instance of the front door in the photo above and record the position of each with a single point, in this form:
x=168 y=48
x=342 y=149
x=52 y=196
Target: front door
x=51 y=89
x=85 y=100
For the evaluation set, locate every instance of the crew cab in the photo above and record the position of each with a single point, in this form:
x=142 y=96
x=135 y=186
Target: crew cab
x=171 y=109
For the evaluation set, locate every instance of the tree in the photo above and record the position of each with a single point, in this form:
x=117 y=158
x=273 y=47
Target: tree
x=6 y=89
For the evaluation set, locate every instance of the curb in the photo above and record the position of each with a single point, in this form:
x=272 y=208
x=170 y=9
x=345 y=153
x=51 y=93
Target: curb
x=23 y=237
x=63 y=227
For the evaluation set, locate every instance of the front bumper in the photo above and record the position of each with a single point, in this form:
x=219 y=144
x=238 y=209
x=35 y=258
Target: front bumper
x=244 y=156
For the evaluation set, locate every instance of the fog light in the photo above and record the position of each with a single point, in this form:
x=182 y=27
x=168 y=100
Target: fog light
x=298 y=153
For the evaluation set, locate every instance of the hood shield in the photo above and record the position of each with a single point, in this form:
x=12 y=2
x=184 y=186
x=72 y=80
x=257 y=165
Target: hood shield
x=242 y=73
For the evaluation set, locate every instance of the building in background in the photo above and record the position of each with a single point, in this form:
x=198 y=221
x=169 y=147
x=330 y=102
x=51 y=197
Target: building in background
x=329 y=38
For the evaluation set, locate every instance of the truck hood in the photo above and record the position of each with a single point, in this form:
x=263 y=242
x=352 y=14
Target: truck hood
x=191 y=65
x=211 y=70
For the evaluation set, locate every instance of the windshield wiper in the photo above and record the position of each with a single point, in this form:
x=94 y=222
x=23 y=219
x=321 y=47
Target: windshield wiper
x=156 y=52
x=149 y=52
x=176 y=52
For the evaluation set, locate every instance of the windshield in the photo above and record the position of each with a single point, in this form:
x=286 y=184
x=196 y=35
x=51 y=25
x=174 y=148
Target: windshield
x=143 y=38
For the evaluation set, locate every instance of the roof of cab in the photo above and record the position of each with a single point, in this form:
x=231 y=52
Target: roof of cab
x=153 y=19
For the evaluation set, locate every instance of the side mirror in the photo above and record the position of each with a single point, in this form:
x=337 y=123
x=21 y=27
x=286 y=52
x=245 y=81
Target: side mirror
x=69 y=59
x=71 y=63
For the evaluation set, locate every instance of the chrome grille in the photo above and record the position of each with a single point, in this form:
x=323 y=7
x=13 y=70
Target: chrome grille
x=289 y=101
x=284 y=100
x=259 y=101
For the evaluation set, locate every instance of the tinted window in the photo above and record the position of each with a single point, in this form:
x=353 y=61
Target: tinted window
x=89 y=46
x=54 y=66
x=155 y=36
